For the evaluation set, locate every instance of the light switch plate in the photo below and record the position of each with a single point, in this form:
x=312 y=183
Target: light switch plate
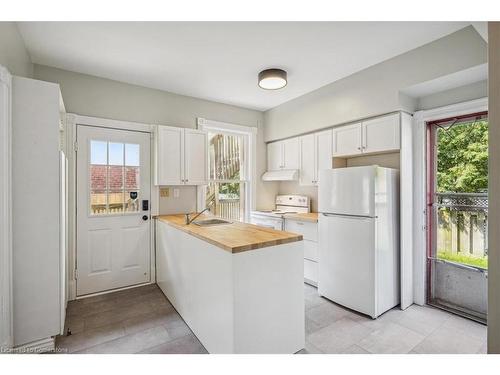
x=164 y=192
x=176 y=193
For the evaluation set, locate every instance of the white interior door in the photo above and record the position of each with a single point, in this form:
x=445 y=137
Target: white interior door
x=113 y=223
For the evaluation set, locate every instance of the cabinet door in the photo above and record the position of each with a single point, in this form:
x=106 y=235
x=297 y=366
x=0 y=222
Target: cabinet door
x=291 y=151
x=323 y=151
x=307 y=160
x=347 y=140
x=169 y=155
x=195 y=157
x=381 y=134
x=274 y=156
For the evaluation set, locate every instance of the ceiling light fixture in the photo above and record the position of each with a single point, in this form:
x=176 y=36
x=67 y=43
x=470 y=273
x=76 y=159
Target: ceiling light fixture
x=272 y=79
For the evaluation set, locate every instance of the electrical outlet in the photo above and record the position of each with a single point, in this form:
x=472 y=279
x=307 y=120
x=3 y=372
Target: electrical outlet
x=176 y=193
x=164 y=192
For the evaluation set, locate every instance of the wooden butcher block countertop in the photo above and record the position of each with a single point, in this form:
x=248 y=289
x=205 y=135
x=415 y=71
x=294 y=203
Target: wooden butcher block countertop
x=310 y=216
x=235 y=237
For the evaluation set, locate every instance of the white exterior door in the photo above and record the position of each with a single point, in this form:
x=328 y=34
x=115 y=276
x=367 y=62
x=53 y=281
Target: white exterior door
x=113 y=223
x=347 y=140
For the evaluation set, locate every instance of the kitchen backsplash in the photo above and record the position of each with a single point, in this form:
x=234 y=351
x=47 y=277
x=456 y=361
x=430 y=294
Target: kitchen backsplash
x=185 y=202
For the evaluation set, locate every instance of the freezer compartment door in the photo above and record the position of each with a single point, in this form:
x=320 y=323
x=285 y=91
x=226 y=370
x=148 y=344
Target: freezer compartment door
x=347 y=261
x=348 y=191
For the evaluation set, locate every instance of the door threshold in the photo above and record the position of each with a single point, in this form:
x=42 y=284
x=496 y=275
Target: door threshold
x=476 y=317
x=113 y=290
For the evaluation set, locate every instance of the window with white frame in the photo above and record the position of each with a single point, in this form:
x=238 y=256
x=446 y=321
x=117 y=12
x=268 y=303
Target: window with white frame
x=229 y=191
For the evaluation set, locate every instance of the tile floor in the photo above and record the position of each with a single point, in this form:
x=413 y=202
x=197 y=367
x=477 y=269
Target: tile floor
x=141 y=320
x=331 y=328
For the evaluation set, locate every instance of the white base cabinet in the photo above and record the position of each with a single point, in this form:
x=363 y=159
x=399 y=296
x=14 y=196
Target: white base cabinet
x=309 y=231
x=247 y=302
x=181 y=156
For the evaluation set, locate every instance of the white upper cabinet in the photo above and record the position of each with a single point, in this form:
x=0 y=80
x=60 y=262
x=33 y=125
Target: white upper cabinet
x=347 y=140
x=307 y=159
x=324 y=152
x=274 y=156
x=195 y=157
x=381 y=134
x=283 y=154
x=315 y=154
x=169 y=155
x=180 y=156
x=291 y=153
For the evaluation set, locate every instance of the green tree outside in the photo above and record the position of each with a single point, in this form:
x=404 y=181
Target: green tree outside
x=463 y=158
x=462 y=167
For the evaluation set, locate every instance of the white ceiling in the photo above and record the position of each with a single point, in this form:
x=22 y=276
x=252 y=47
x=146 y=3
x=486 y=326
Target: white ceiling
x=220 y=60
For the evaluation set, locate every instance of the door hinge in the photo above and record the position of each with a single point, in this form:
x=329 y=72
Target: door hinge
x=76 y=273
x=75 y=146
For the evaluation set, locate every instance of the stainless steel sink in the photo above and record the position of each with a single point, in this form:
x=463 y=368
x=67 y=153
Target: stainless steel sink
x=210 y=222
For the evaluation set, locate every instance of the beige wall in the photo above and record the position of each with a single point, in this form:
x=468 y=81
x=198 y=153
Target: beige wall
x=461 y=94
x=376 y=90
x=494 y=189
x=92 y=96
x=13 y=54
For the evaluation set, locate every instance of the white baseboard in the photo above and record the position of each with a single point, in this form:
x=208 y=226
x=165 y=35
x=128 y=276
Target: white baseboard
x=35 y=347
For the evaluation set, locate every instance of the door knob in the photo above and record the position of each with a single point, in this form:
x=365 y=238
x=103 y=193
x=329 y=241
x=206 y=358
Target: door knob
x=145 y=217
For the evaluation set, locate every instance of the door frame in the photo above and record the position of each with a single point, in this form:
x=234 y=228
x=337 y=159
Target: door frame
x=420 y=157
x=6 y=324
x=72 y=120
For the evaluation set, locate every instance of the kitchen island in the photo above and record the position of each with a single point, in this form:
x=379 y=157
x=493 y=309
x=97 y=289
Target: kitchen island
x=239 y=287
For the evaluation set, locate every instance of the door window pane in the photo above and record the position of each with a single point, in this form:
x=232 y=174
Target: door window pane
x=98 y=153
x=132 y=155
x=115 y=153
x=98 y=177
x=114 y=177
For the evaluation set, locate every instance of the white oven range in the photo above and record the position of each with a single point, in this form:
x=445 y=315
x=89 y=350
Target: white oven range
x=285 y=204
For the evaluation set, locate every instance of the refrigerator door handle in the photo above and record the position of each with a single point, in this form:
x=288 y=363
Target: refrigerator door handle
x=349 y=216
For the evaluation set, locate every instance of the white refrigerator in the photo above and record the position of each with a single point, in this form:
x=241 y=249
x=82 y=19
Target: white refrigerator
x=359 y=238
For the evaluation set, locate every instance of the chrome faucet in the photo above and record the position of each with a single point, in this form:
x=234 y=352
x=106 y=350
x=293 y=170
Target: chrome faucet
x=188 y=220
